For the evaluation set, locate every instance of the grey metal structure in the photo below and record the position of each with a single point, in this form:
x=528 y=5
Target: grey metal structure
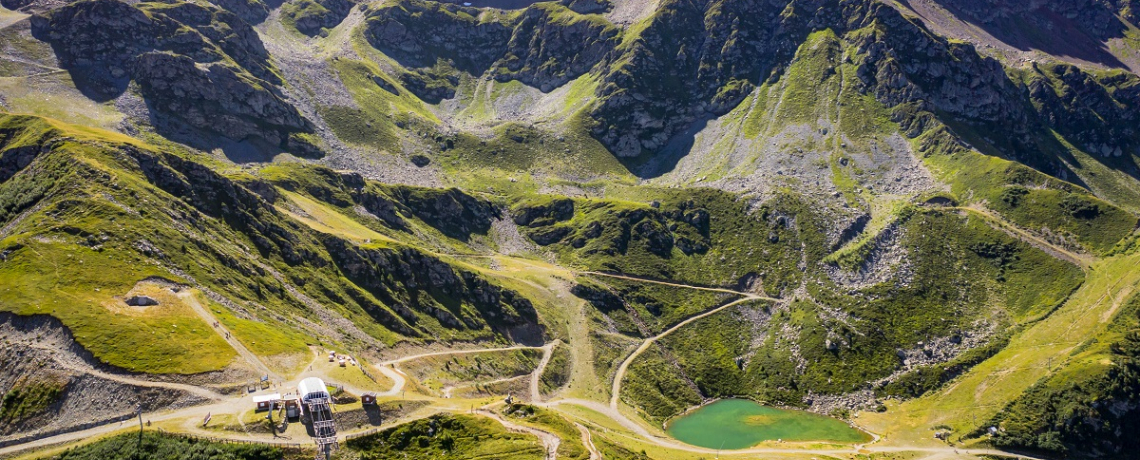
x=318 y=406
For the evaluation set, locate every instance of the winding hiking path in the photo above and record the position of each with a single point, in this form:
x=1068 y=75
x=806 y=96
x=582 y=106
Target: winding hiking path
x=550 y=441
x=588 y=441
x=1084 y=261
x=84 y=367
x=448 y=390
x=192 y=300
x=676 y=285
x=615 y=392
x=536 y=376
x=399 y=378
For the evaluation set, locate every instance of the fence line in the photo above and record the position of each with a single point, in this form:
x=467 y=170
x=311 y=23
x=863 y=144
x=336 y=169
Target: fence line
x=291 y=446
x=364 y=370
x=373 y=431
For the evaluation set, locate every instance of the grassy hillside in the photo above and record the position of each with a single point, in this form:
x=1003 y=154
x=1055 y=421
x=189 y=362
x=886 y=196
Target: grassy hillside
x=449 y=437
x=910 y=221
x=93 y=214
x=167 y=447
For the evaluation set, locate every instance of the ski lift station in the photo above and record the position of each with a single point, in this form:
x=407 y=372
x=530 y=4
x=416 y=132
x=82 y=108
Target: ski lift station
x=312 y=390
x=317 y=402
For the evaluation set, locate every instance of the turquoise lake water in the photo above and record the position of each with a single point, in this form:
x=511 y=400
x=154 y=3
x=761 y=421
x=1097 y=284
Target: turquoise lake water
x=740 y=423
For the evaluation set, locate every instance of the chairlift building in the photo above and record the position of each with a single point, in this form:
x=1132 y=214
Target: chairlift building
x=312 y=389
x=316 y=401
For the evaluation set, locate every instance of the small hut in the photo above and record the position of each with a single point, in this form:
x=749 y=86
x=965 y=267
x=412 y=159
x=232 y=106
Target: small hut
x=292 y=408
x=368 y=399
x=266 y=402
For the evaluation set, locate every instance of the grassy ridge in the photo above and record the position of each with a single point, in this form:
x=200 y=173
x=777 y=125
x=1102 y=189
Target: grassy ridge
x=157 y=446
x=557 y=372
x=1089 y=405
x=1041 y=349
x=700 y=236
x=657 y=307
x=449 y=437
x=436 y=372
x=571 y=447
x=970 y=280
x=102 y=212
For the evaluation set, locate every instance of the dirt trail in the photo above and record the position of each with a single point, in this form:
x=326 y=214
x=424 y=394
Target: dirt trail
x=458 y=352
x=448 y=390
x=998 y=223
x=399 y=379
x=588 y=441
x=196 y=411
x=615 y=394
x=677 y=285
x=225 y=334
x=127 y=379
x=549 y=440
x=536 y=376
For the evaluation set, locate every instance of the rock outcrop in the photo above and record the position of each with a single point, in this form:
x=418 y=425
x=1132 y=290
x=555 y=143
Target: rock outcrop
x=657 y=231
x=545 y=46
x=196 y=65
x=310 y=17
x=552 y=45
x=412 y=282
x=141 y=301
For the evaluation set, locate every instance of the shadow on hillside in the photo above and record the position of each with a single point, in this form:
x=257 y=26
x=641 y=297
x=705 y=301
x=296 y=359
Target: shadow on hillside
x=1045 y=30
x=664 y=161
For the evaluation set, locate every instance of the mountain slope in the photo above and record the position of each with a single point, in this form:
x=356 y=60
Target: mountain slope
x=927 y=207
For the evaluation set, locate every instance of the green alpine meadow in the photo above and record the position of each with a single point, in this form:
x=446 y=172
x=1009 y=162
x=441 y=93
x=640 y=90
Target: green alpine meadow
x=569 y=230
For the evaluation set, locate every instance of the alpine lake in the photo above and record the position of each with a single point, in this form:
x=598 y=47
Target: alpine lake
x=740 y=423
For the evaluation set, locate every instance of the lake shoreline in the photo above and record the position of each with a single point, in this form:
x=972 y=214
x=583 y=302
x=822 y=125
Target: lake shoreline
x=747 y=423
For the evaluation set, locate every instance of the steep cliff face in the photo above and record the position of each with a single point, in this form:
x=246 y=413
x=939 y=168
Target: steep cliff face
x=691 y=60
x=251 y=11
x=1095 y=18
x=418 y=33
x=310 y=17
x=218 y=98
x=712 y=64
x=545 y=46
x=411 y=281
x=195 y=64
x=552 y=45
x=1098 y=112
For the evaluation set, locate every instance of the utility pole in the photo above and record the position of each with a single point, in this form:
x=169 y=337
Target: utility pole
x=138 y=453
x=272 y=427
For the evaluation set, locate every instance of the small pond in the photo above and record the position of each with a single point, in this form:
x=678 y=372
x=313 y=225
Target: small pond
x=740 y=423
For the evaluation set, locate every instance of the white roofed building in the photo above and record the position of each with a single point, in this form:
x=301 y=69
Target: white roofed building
x=266 y=402
x=312 y=389
x=315 y=398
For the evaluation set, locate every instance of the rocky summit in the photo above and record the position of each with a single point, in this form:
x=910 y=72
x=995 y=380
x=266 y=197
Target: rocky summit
x=417 y=229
